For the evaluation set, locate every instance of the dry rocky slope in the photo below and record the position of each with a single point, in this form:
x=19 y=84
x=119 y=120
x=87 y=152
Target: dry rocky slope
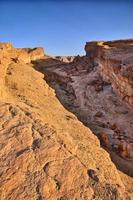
x=46 y=153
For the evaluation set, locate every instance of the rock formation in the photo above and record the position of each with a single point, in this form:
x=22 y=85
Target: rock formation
x=116 y=64
x=46 y=153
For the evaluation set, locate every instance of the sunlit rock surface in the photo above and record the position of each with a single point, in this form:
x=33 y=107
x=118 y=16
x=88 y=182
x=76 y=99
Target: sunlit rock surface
x=45 y=151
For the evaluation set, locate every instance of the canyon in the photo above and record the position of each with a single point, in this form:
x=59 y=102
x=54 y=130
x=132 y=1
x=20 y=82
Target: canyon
x=66 y=123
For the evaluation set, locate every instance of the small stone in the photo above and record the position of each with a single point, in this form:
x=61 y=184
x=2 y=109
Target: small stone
x=99 y=114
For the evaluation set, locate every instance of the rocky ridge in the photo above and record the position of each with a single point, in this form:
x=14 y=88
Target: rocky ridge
x=45 y=151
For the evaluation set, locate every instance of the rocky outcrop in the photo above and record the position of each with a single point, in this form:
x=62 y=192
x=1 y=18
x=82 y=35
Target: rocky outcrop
x=25 y=55
x=116 y=64
x=34 y=54
x=65 y=59
x=6 y=46
x=45 y=151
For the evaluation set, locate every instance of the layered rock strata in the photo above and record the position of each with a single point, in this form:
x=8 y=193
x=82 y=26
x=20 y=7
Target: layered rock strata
x=116 y=64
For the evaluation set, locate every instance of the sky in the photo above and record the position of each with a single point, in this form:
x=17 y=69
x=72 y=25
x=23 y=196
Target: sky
x=62 y=27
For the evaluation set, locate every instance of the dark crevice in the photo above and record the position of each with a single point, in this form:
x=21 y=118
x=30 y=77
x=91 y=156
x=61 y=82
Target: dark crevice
x=19 y=153
x=45 y=168
x=38 y=191
x=36 y=144
x=92 y=173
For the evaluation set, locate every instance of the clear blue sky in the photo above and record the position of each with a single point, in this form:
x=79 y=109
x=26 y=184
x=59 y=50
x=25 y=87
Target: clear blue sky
x=62 y=27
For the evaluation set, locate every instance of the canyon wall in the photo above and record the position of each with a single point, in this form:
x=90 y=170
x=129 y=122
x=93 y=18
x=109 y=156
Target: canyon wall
x=115 y=61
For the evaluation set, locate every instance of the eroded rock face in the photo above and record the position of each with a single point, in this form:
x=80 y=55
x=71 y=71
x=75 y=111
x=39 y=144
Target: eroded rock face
x=36 y=53
x=87 y=87
x=116 y=65
x=45 y=151
x=25 y=55
x=65 y=59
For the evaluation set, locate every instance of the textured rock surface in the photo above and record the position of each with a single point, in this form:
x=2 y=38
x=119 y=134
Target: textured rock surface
x=26 y=55
x=116 y=65
x=45 y=151
x=84 y=88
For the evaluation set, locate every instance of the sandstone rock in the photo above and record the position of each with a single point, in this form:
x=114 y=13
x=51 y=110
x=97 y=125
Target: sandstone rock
x=125 y=149
x=36 y=53
x=23 y=56
x=6 y=46
x=115 y=59
x=45 y=151
x=65 y=59
x=94 y=83
x=105 y=139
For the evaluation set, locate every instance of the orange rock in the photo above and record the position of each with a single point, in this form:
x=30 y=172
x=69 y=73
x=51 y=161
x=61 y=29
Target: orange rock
x=45 y=151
